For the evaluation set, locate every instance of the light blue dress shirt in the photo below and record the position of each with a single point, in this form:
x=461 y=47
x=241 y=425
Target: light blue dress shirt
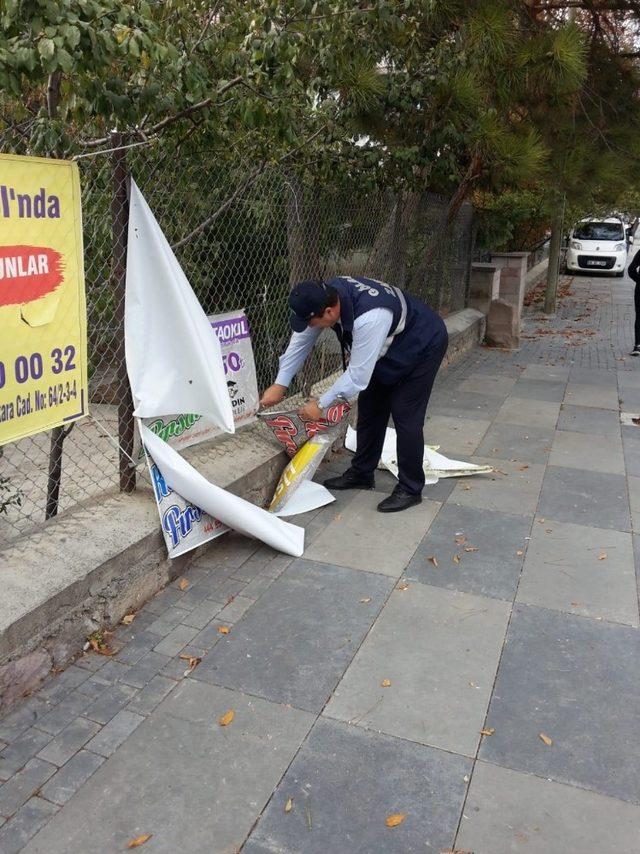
x=370 y=333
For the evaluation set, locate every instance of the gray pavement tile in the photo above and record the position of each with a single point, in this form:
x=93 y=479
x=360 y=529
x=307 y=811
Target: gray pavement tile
x=550 y=373
x=454 y=435
x=196 y=786
x=91 y=661
x=507 y=811
x=585 y=498
x=587 y=451
x=542 y=414
x=629 y=398
x=203 y=613
x=588 y=419
x=159 y=603
x=17 y=832
x=145 y=669
x=593 y=376
x=59 y=685
x=516 y=442
x=256 y=588
x=63 y=713
x=364 y=539
x=21 y=750
x=491 y=384
x=628 y=379
x=93 y=687
x=231 y=550
x=167 y=621
x=235 y=609
x=464 y=404
x=440 y=650
x=109 y=703
x=441 y=490
x=24 y=715
x=22 y=785
x=492 y=570
x=631 y=447
x=539 y=390
x=209 y=636
x=633 y=483
x=344 y=782
x=511 y=489
x=176 y=640
x=601 y=397
x=115 y=733
x=576 y=681
x=136 y=646
x=295 y=647
x=69 y=741
x=581 y=570
x=112 y=672
x=151 y=695
x=71 y=776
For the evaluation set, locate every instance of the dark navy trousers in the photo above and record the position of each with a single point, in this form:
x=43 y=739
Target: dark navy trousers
x=406 y=402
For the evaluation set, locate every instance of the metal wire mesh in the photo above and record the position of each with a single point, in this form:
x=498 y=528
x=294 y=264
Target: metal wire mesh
x=243 y=236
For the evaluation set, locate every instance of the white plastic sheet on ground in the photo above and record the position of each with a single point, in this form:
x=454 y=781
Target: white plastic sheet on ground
x=173 y=356
x=229 y=509
x=308 y=496
x=436 y=465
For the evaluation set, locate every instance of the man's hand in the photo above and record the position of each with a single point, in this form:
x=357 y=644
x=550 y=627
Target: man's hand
x=274 y=394
x=310 y=411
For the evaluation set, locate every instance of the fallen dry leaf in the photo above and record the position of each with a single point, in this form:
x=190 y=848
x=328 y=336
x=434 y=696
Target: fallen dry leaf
x=128 y=619
x=460 y=539
x=183 y=584
x=548 y=741
x=520 y=552
x=385 y=683
x=523 y=468
x=226 y=719
x=602 y=555
x=193 y=660
x=403 y=586
x=471 y=549
x=139 y=840
x=467 y=486
x=366 y=600
x=488 y=731
x=224 y=630
x=456 y=558
x=289 y=805
x=98 y=644
x=395 y=819
x=433 y=559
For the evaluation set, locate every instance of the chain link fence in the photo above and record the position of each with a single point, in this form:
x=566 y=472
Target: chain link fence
x=243 y=236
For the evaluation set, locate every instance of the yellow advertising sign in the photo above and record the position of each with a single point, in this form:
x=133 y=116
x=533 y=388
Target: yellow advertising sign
x=43 y=316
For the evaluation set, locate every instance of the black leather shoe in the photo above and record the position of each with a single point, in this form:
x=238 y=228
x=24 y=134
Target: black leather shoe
x=350 y=480
x=399 y=500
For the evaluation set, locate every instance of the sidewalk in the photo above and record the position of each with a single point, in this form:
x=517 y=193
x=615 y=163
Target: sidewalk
x=503 y=611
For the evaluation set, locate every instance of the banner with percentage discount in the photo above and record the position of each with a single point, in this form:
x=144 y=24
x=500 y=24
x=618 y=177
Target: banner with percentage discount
x=43 y=318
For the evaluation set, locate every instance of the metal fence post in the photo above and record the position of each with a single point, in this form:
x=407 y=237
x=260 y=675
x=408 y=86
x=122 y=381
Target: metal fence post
x=119 y=229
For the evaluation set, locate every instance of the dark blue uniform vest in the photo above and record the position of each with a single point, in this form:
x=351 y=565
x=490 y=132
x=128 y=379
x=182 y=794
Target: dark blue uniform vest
x=415 y=329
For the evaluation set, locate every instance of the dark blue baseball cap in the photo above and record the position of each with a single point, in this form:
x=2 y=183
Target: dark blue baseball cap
x=306 y=301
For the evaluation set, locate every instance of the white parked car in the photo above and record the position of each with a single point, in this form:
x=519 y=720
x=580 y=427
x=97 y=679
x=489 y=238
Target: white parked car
x=598 y=244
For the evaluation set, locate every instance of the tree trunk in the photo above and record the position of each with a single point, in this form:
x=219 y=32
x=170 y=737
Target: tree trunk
x=551 y=295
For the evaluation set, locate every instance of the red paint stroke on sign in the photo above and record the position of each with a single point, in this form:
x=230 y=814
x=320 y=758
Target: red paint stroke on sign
x=28 y=273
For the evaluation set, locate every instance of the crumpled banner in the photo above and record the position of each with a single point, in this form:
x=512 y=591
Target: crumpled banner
x=292 y=431
x=435 y=465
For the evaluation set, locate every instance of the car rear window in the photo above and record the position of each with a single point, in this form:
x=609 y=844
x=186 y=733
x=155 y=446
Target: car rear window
x=599 y=231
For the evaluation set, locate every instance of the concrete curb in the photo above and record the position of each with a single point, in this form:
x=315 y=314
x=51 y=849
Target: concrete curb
x=89 y=567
